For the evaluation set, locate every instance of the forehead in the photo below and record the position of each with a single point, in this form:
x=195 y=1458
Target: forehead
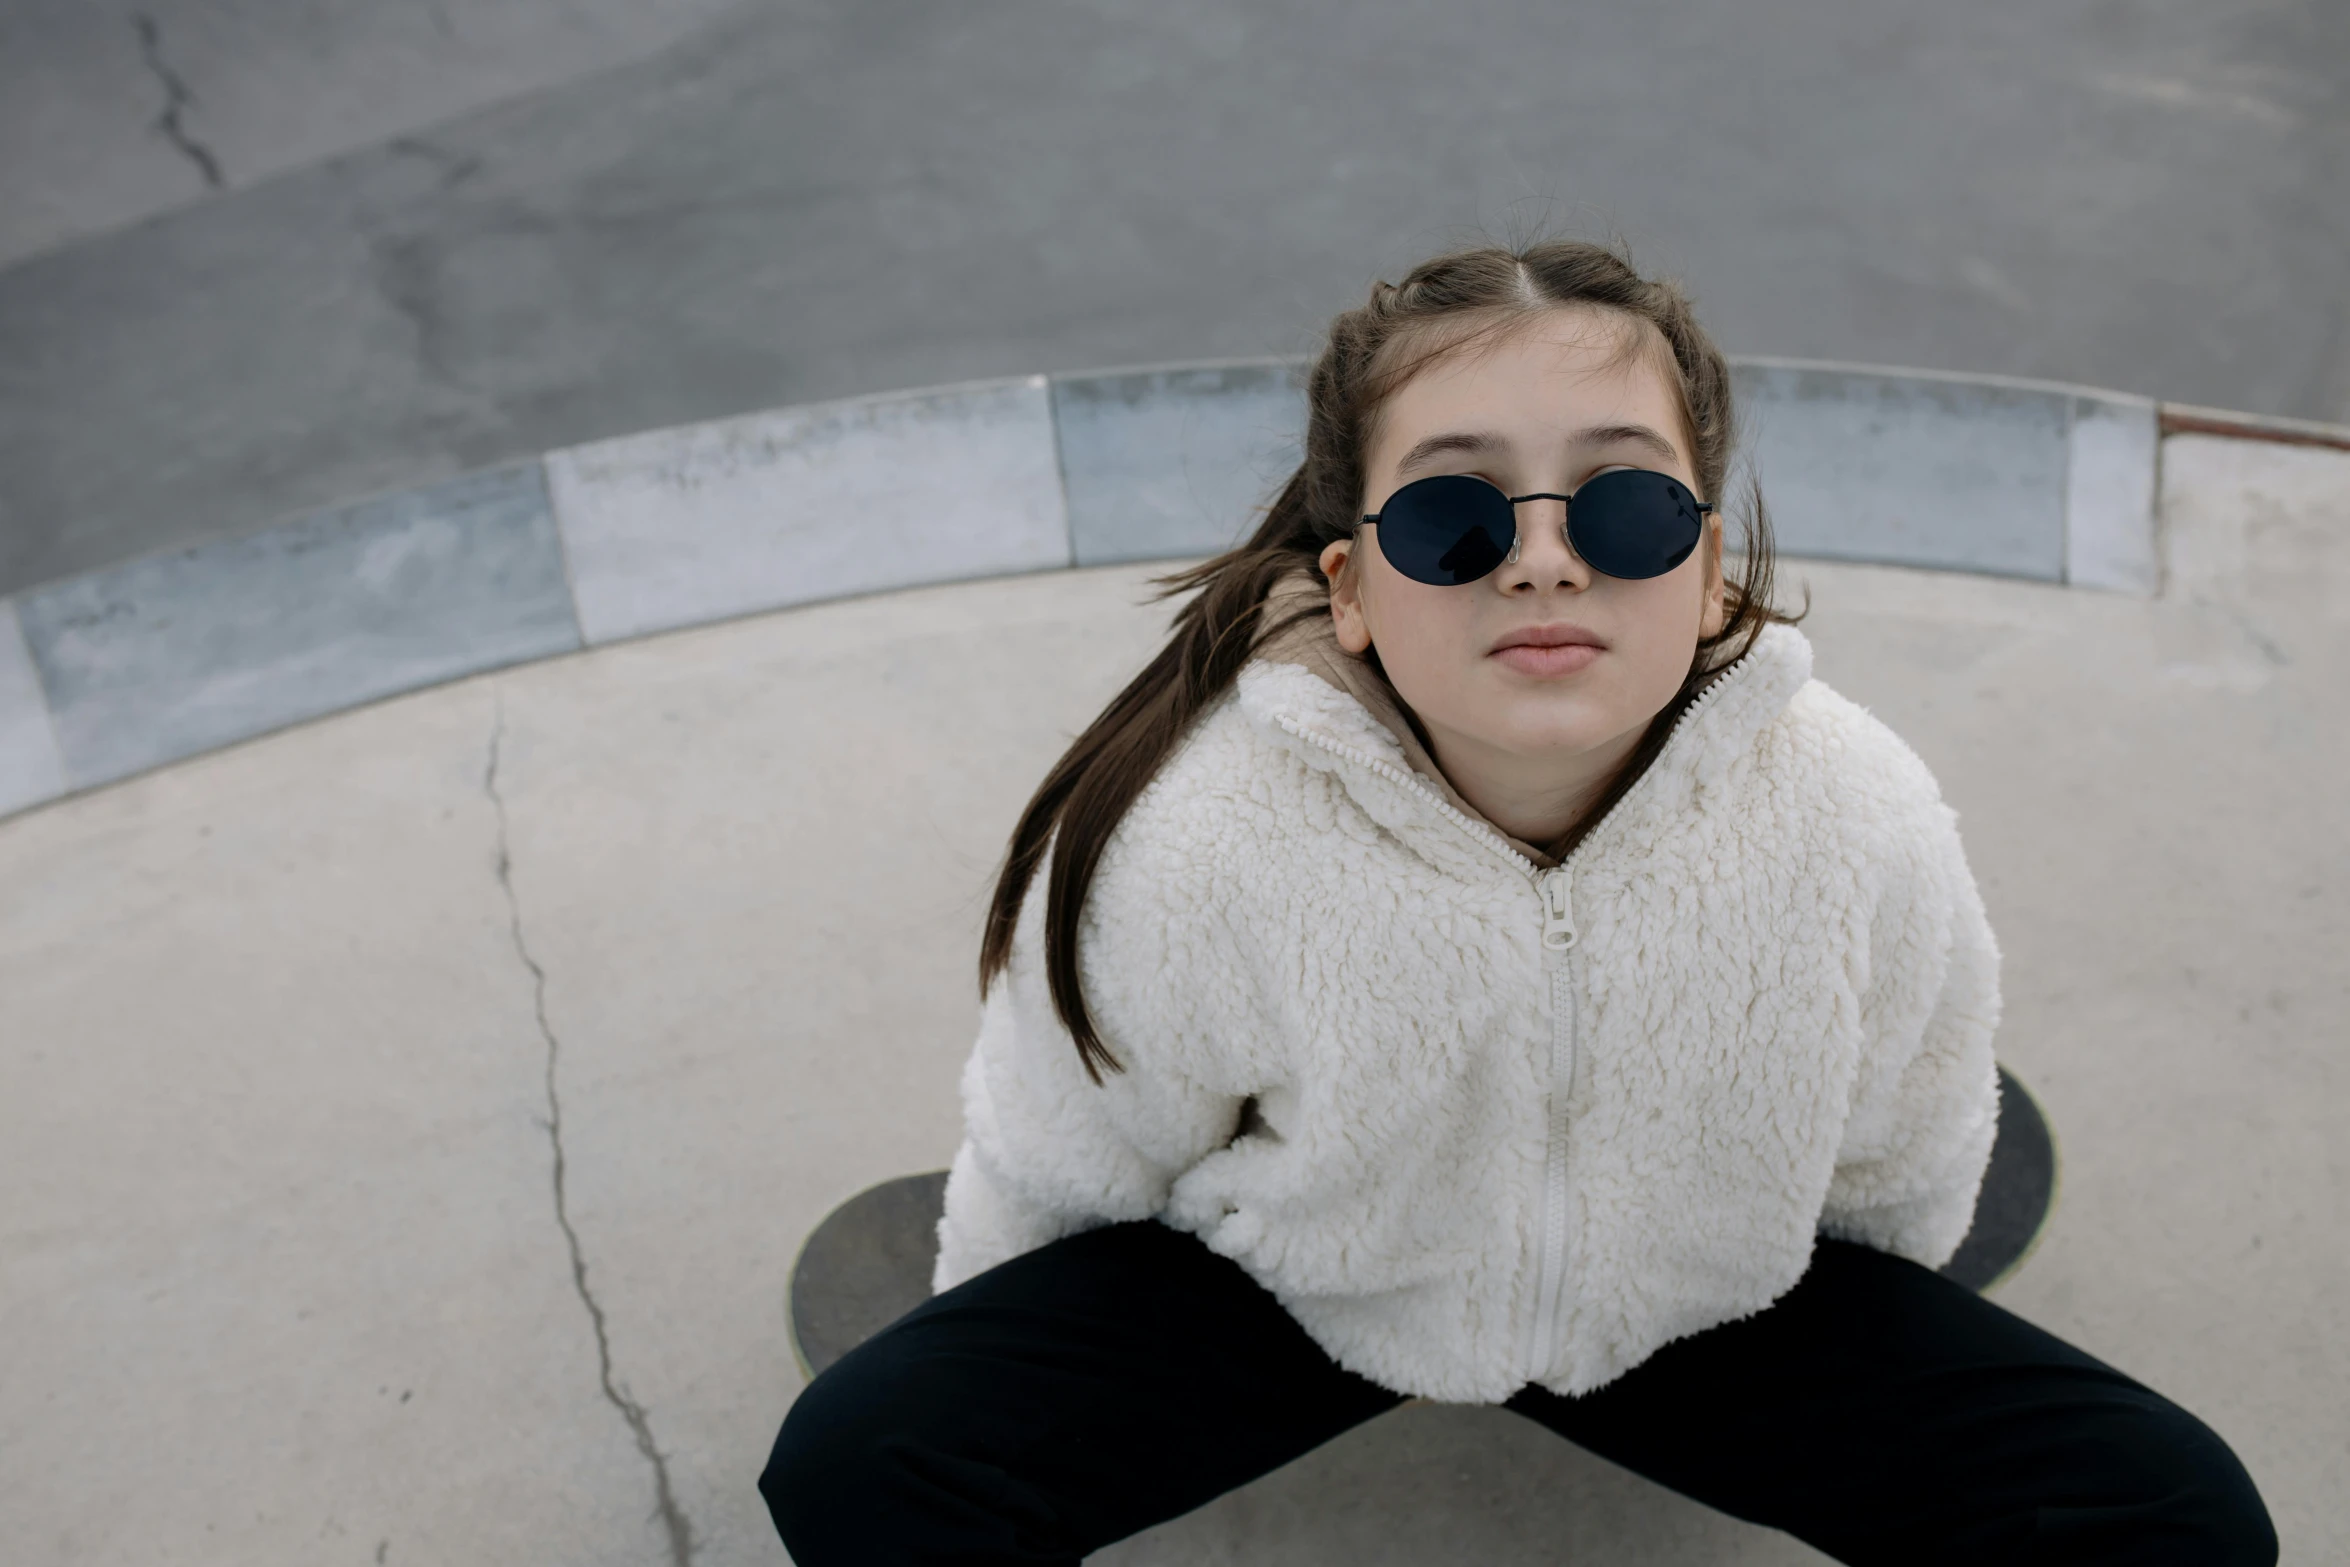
x=1564 y=368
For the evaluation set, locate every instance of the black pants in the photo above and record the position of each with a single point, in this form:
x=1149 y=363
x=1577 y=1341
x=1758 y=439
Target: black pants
x=1093 y=1387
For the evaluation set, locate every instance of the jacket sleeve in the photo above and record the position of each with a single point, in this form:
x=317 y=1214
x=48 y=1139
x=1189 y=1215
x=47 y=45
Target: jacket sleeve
x=1925 y=1102
x=1046 y=1152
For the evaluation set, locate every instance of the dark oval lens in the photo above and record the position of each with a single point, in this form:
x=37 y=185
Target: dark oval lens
x=1446 y=529
x=1634 y=523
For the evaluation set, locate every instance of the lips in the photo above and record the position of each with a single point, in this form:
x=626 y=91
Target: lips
x=1548 y=650
x=1561 y=635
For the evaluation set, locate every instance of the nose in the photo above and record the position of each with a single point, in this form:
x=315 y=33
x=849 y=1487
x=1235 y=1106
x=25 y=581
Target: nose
x=1542 y=551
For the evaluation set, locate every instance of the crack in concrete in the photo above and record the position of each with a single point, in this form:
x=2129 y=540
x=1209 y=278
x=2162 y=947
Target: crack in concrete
x=455 y=168
x=665 y=1505
x=175 y=98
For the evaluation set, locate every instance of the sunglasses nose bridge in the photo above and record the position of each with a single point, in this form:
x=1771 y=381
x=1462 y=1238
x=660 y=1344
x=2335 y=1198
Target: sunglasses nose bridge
x=1541 y=505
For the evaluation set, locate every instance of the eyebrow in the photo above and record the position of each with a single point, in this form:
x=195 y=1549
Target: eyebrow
x=1479 y=442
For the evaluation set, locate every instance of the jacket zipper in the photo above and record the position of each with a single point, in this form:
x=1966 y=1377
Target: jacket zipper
x=1558 y=935
x=1555 y=886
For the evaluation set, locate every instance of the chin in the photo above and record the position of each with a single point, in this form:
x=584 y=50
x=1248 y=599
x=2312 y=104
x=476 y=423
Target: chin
x=1550 y=724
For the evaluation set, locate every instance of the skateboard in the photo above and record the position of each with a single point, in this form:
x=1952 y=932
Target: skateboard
x=869 y=1262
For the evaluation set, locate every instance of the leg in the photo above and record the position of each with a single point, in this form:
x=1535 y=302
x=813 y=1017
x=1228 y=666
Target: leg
x=1067 y=1398
x=1886 y=1415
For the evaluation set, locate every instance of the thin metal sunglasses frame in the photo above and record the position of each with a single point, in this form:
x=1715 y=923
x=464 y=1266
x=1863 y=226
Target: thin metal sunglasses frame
x=1518 y=534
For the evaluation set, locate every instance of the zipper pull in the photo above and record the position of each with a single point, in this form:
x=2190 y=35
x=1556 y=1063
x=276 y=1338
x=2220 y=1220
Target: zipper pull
x=1558 y=909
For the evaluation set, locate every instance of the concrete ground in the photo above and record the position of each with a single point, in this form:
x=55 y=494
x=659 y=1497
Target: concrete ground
x=409 y=1120
x=447 y=234
x=114 y=111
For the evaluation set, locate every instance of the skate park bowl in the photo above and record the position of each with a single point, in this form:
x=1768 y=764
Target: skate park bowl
x=459 y=946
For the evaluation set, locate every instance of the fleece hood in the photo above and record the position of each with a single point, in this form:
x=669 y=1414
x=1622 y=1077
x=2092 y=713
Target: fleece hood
x=1370 y=717
x=1312 y=645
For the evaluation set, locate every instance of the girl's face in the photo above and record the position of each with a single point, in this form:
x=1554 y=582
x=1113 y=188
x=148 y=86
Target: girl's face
x=1545 y=409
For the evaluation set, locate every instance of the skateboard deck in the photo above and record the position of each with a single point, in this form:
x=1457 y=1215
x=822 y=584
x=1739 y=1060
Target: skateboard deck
x=869 y=1262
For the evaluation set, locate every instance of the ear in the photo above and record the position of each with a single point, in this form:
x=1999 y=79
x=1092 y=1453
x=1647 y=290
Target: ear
x=1716 y=608
x=1344 y=575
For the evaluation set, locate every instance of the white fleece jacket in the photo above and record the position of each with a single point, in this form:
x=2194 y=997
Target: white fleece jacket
x=1510 y=1124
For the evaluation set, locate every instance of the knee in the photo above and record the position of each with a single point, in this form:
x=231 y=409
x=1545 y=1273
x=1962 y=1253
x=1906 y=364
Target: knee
x=2194 y=1502
x=820 y=1472
x=2222 y=1507
x=885 y=1458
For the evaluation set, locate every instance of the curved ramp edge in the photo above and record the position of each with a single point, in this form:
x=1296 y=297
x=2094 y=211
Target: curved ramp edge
x=151 y=661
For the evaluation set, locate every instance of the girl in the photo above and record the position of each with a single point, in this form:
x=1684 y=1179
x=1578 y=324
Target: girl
x=1477 y=962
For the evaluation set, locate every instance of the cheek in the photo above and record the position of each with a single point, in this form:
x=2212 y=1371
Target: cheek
x=1424 y=635
x=1661 y=624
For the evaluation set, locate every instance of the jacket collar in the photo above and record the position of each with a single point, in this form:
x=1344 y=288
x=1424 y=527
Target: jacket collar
x=1338 y=712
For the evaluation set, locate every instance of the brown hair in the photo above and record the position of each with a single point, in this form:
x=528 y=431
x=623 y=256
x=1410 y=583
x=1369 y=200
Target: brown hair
x=1441 y=306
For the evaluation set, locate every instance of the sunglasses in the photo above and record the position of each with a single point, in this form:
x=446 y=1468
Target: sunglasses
x=1453 y=528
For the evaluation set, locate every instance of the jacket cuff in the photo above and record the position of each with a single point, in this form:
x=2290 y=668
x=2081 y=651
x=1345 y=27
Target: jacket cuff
x=1928 y=1227
x=982 y=1225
